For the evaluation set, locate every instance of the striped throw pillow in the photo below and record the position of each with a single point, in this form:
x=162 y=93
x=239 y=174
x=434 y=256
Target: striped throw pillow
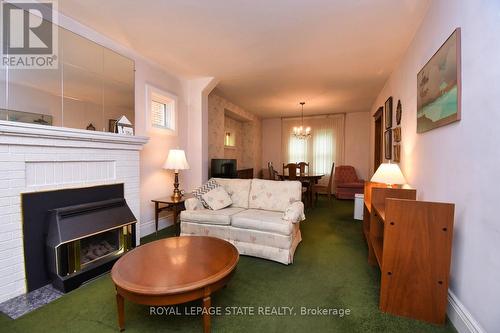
x=205 y=188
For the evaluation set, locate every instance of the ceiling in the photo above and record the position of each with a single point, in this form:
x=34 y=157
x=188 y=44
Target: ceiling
x=268 y=55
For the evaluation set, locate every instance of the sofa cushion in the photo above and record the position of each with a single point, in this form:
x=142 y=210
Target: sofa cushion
x=238 y=190
x=217 y=198
x=265 y=238
x=262 y=220
x=208 y=216
x=274 y=195
x=205 y=188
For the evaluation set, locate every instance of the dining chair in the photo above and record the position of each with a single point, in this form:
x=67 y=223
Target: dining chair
x=292 y=170
x=306 y=185
x=273 y=174
x=302 y=167
x=324 y=189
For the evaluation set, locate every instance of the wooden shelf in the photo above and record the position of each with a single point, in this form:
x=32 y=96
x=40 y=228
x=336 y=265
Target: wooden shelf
x=410 y=241
x=380 y=211
x=378 y=244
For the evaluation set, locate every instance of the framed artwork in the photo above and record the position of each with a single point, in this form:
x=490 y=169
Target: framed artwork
x=125 y=129
x=388 y=144
x=397 y=153
x=112 y=126
x=439 y=87
x=397 y=134
x=399 y=110
x=388 y=113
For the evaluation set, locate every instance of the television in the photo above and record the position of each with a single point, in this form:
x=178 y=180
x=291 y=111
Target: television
x=223 y=168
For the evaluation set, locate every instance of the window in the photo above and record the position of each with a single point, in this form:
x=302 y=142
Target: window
x=297 y=150
x=161 y=114
x=161 y=108
x=323 y=144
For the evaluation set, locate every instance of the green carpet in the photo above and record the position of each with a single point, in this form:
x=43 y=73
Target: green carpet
x=330 y=271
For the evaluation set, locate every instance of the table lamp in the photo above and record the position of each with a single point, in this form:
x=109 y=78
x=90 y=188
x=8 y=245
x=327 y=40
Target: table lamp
x=390 y=174
x=176 y=160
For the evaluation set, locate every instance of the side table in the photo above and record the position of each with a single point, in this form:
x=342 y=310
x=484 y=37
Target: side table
x=174 y=205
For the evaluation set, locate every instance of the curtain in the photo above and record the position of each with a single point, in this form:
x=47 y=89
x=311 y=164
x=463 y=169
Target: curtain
x=324 y=147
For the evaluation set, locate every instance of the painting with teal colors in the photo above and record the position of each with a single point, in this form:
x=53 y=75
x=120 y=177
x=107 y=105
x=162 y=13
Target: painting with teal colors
x=439 y=87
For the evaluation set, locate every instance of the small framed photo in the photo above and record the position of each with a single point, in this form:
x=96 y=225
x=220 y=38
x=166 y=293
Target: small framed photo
x=388 y=113
x=397 y=134
x=112 y=126
x=397 y=153
x=125 y=129
x=388 y=144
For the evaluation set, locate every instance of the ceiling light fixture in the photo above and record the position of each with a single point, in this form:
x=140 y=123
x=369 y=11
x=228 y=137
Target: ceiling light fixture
x=301 y=132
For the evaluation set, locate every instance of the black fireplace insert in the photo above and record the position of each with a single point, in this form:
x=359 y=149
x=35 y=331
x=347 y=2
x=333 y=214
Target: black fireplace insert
x=73 y=235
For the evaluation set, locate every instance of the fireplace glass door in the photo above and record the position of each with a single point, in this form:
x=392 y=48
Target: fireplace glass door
x=92 y=250
x=98 y=246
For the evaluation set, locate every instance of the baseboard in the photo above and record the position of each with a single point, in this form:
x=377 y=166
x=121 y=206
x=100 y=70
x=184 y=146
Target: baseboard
x=460 y=317
x=148 y=228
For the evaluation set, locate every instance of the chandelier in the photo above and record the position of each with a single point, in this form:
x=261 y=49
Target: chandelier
x=301 y=132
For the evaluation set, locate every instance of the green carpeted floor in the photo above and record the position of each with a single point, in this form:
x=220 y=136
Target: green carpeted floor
x=330 y=271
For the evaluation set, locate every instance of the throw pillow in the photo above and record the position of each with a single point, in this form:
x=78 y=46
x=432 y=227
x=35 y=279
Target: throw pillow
x=217 y=198
x=205 y=188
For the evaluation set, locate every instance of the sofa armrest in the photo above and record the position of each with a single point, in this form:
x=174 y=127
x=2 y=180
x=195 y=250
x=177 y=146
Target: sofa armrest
x=294 y=213
x=193 y=204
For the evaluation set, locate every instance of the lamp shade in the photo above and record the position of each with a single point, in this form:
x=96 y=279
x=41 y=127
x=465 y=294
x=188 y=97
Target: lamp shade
x=176 y=160
x=389 y=173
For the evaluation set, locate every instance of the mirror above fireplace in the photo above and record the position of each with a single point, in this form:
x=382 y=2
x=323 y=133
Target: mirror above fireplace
x=91 y=87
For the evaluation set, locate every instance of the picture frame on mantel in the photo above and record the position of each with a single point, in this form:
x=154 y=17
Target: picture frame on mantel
x=388 y=113
x=388 y=144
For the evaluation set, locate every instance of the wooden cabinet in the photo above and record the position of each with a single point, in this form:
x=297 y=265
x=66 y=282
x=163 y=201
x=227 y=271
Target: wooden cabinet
x=410 y=241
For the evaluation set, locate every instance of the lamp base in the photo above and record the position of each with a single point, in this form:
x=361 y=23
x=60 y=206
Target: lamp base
x=177 y=195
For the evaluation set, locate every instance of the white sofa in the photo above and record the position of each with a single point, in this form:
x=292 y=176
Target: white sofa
x=263 y=220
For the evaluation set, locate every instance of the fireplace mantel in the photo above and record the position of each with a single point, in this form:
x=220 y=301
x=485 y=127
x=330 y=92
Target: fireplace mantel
x=43 y=135
x=39 y=158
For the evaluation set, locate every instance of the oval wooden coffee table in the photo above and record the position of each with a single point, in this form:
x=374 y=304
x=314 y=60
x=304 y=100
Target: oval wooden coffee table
x=172 y=271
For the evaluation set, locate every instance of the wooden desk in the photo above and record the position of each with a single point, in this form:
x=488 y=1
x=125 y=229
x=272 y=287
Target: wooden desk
x=410 y=241
x=176 y=206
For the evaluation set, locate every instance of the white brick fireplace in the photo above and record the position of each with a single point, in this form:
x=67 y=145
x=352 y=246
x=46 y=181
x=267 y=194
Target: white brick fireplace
x=39 y=158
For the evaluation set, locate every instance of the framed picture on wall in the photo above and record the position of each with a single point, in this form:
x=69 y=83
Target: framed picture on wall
x=388 y=144
x=439 y=87
x=397 y=134
x=399 y=111
x=397 y=153
x=388 y=113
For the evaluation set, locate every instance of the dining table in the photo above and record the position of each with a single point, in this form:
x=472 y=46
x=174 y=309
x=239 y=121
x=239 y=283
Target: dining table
x=308 y=176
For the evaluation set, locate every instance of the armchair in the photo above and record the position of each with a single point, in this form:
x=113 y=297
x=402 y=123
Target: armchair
x=347 y=183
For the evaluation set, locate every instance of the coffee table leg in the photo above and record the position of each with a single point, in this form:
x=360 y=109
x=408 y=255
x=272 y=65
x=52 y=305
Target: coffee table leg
x=121 y=311
x=207 y=302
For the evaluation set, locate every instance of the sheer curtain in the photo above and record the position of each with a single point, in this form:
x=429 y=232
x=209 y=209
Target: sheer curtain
x=325 y=147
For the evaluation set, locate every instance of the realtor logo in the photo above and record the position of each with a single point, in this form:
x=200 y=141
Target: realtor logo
x=29 y=34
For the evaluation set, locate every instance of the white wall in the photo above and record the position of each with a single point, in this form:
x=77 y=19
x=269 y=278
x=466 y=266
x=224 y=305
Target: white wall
x=459 y=163
x=356 y=144
x=271 y=144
